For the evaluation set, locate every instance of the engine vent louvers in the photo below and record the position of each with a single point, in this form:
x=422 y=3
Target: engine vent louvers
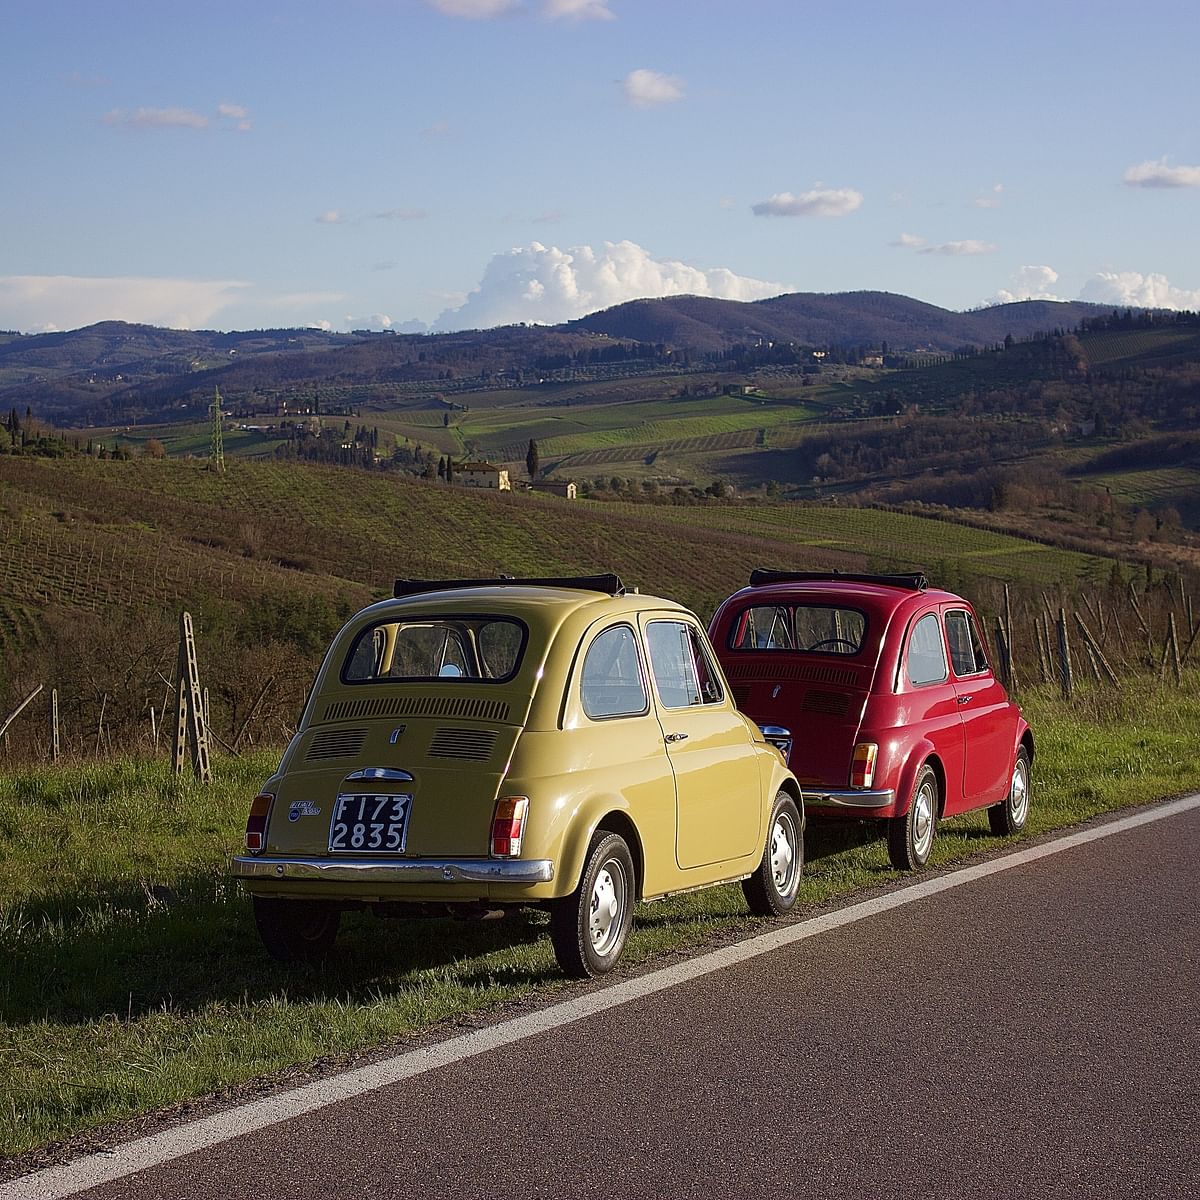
x=791 y=673
x=829 y=704
x=335 y=743
x=474 y=745
x=464 y=707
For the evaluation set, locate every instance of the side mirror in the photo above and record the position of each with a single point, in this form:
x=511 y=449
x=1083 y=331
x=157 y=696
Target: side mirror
x=780 y=738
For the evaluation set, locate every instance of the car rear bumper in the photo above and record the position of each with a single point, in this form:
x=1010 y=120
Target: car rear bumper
x=848 y=798
x=395 y=870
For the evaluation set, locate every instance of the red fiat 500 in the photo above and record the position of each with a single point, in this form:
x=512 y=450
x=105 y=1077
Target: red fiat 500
x=878 y=690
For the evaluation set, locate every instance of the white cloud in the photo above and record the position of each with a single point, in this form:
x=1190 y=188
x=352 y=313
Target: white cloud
x=547 y=285
x=819 y=202
x=909 y=241
x=648 y=89
x=961 y=249
x=1139 y=291
x=578 y=10
x=402 y=214
x=474 y=10
x=1159 y=175
x=239 y=114
x=1029 y=283
x=989 y=199
x=156 y=118
x=40 y=302
x=331 y=217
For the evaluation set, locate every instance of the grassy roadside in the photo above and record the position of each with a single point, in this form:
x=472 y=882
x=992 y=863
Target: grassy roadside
x=133 y=977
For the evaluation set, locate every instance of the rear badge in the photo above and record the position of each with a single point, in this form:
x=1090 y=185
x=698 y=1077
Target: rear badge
x=775 y=691
x=303 y=808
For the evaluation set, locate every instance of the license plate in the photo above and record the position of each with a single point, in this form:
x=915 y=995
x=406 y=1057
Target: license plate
x=369 y=824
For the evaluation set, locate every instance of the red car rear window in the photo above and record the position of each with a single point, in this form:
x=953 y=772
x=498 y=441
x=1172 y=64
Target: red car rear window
x=809 y=628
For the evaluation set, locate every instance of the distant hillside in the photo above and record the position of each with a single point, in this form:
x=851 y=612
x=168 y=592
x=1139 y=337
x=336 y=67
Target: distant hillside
x=838 y=319
x=115 y=373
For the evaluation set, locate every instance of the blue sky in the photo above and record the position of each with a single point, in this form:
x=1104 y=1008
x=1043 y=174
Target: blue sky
x=465 y=163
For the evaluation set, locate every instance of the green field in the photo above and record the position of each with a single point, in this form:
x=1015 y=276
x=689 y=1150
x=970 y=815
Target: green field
x=134 y=979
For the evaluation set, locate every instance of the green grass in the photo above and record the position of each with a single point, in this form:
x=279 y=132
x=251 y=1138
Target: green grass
x=135 y=980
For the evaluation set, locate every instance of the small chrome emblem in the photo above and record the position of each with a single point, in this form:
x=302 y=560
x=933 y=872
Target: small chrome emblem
x=303 y=808
x=775 y=691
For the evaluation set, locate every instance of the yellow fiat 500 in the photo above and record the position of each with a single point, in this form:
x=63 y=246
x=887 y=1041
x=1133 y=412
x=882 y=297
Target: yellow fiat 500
x=558 y=743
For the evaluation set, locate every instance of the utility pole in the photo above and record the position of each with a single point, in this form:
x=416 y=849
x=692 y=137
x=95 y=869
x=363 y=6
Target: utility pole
x=216 y=456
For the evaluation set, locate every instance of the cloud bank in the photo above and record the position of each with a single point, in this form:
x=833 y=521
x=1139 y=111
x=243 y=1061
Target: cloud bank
x=44 y=303
x=1029 y=283
x=547 y=285
x=1139 y=291
x=961 y=249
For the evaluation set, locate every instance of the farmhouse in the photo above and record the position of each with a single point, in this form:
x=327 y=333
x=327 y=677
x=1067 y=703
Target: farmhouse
x=483 y=475
x=556 y=487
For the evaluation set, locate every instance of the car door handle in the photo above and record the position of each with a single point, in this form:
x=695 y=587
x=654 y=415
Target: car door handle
x=676 y=737
x=965 y=699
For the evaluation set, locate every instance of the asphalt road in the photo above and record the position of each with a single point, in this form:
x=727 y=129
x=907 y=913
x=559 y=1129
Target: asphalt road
x=1032 y=1033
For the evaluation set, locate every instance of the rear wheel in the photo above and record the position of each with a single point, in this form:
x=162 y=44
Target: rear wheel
x=1009 y=816
x=773 y=888
x=588 y=928
x=910 y=837
x=296 y=930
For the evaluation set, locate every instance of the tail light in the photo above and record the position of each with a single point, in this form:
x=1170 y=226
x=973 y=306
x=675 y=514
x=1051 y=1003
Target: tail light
x=256 y=822
x=862 y=765
x=508 y=826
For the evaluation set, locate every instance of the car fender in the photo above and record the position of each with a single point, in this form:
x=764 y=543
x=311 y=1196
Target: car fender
x=1024 y=737
x=609 y=811
x=921 y=752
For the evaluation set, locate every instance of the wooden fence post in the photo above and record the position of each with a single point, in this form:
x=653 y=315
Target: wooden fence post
x=1004 y=655
x=1096 y=655
x=1065 y=674
x=1171 y=652
x=16 y=712
x=54 y=724
x=1008 y=637
x=1043 y=652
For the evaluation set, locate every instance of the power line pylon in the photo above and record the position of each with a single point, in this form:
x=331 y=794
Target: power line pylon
x=216 y=456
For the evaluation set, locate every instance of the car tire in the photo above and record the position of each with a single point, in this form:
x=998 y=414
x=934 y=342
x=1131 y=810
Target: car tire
x=1009 y=816
x=910 y=836
x=588 y=928
x=296 y=930
x=775 y=885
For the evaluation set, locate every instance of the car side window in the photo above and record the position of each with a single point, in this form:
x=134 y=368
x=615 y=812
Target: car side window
x=684 y=675
x=926 y=657
x=966 y=648
x=612 y=683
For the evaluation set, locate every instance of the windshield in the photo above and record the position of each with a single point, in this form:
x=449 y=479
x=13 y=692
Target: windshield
x=814 y=628
x=444 y=648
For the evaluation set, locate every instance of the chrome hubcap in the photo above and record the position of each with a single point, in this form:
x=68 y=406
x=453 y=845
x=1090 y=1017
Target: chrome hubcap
x=922 y=825
x=783 y=855
x=1018 y=802
x=607 y=907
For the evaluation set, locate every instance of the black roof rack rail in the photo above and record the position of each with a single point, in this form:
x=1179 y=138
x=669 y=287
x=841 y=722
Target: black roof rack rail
x=915 y=582
x=609 y=584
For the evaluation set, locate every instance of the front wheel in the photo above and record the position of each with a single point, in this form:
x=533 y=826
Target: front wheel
x=774 y=887
x=1009 y=816
x=910 y=837
x=296 y=930
x=588 y=928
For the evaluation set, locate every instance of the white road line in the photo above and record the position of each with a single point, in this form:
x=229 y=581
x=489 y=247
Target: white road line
x=55 y=1182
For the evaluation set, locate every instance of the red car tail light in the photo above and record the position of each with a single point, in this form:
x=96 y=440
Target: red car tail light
x=256 y=822
x=862 y=765
x=508 y=826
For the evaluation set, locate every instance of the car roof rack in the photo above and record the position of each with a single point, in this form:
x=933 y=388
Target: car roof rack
x=915 y=582
x=609 y=584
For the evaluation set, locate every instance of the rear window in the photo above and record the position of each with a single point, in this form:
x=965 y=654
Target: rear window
x=448 y=648
x=811 y=628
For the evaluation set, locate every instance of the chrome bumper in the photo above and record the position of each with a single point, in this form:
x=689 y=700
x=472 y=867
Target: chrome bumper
x=849 y=798
x=396 y=870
